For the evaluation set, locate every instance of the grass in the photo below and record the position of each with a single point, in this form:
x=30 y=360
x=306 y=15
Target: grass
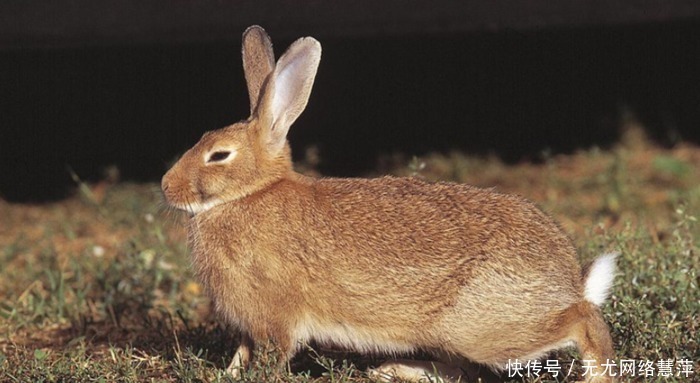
x=97 y=288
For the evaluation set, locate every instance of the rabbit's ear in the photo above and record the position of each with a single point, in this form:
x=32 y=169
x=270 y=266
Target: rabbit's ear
x=258 y=61
x=287 y=91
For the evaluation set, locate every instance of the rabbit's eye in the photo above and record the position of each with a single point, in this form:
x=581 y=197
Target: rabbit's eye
x=218 y=156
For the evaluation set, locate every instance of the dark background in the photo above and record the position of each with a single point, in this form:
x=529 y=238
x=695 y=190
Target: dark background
x=86 y=93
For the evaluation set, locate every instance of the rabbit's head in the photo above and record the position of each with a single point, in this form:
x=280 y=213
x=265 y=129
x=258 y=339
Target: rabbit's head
x=233 y=162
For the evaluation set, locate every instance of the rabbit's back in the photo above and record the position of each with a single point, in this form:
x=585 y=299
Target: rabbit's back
x=439 y=239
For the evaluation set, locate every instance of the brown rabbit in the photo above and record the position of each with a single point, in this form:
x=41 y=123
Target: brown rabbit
x=387 y=265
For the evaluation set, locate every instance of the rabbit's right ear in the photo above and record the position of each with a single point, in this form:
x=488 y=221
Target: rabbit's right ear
x=258 y=61
x=287 y=91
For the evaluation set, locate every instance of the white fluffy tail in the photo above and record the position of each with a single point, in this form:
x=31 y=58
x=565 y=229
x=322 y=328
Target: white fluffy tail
x=599 y=278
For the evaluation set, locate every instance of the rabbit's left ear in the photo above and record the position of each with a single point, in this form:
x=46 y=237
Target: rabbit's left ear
x=287 y=91
x=258 y=61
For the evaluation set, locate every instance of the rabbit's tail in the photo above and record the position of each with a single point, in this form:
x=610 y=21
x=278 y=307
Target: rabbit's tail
x=598 y=278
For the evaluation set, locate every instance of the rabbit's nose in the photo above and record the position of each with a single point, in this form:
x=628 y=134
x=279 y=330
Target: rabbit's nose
x=165 y=181
x=165 y=185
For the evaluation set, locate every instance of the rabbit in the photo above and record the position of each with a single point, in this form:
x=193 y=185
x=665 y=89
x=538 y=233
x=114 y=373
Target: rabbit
x=386 y=265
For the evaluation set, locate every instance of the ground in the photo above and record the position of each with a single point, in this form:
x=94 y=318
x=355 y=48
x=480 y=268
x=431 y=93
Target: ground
x=97 y=287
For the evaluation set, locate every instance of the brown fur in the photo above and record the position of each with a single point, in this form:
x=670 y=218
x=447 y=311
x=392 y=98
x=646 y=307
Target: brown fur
x=385 y=265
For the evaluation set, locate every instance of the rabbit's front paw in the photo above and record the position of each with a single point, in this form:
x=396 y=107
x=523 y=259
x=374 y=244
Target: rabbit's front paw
x=417 y=371
x=240 y=359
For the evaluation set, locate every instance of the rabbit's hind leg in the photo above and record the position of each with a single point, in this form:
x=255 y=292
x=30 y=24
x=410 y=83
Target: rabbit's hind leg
x=593 y=340
x=582 y=324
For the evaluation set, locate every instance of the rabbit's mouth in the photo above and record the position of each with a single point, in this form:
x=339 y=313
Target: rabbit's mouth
x=196 y=207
